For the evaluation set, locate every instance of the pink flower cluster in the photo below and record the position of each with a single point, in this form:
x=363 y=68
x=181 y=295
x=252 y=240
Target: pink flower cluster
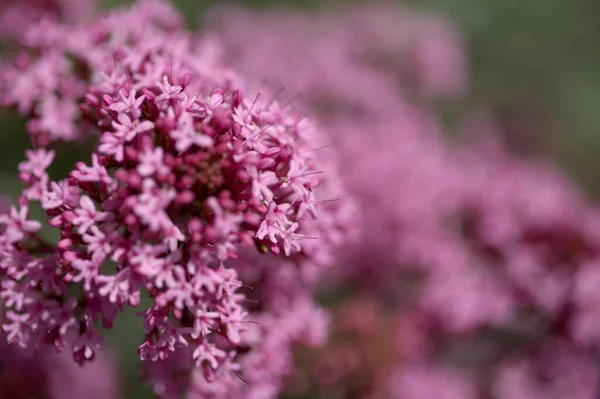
x=17 y=15
x=357 y=58
x=28 y=374
x=490 y=261
x=212 y=206
x=205 y=203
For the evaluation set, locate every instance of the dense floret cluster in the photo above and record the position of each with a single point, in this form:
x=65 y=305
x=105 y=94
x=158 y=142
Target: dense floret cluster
x=193 y=173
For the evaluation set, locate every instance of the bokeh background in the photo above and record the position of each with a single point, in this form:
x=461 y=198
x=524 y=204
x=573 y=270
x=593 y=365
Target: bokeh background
x=535 y=64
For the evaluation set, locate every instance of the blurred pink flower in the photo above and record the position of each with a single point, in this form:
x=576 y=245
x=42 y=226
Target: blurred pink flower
x=17 y=15
x=484 y=254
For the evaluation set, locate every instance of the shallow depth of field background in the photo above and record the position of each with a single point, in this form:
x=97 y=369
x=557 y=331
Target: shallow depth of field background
x=535 y=63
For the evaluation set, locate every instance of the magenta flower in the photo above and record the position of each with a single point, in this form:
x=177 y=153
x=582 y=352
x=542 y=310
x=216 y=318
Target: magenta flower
x=37 y=162
x=17 y=225
x=151 y=162
x=128 y=103
x=170 y=94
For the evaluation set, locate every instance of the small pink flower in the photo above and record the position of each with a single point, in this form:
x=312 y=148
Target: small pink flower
x=128 y=103
x=87 y=272
x=209 y=353
x=205 y=322
x=169 y=93
x=186 y=136
x=60 y=194
x=151 y=161
x=37 y=162
x=17 y=224
x=94 y=173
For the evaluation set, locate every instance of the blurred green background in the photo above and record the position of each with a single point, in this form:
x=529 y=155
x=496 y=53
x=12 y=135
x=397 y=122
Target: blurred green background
x=536 y=63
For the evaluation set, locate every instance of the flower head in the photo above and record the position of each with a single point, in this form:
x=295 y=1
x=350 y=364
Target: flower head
x=175 y=191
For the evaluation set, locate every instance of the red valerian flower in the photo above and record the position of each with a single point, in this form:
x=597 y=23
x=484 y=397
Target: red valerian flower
x=176 y=190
